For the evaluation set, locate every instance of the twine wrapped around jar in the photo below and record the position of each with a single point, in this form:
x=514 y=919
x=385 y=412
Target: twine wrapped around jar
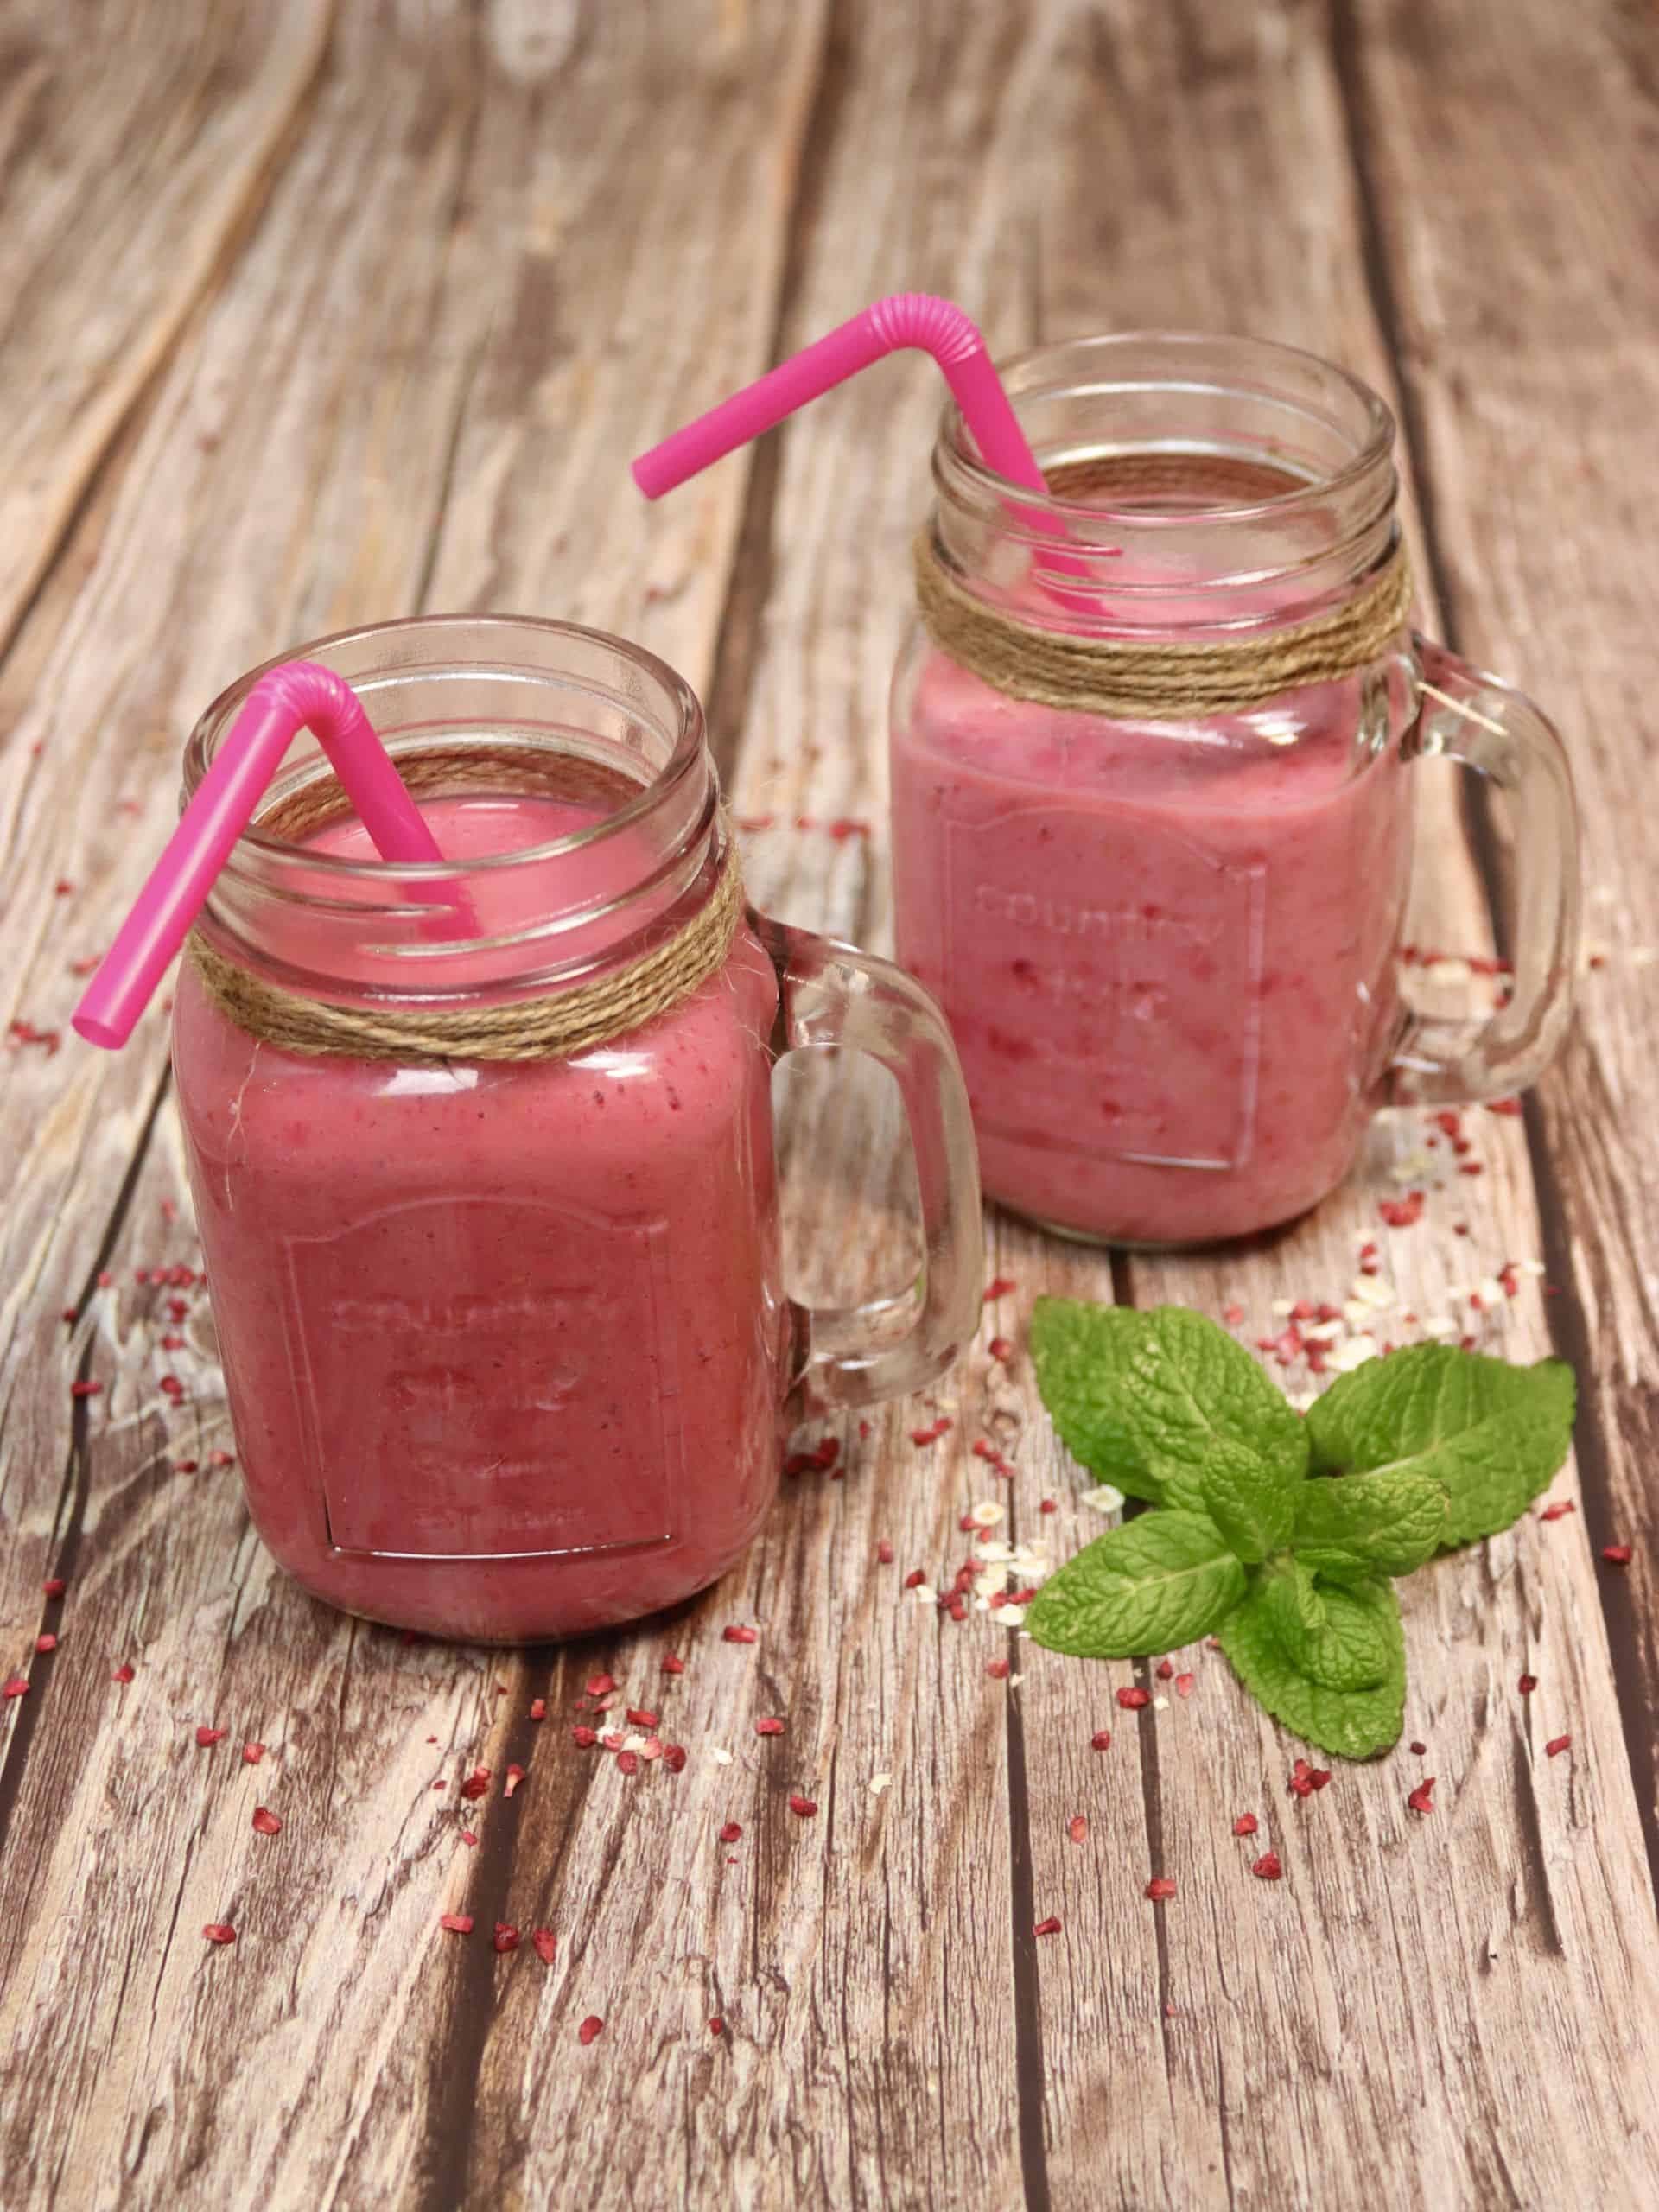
x=554 y=1025
x=1131 y=678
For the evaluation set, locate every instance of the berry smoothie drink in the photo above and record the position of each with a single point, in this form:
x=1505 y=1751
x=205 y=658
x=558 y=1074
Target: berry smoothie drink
x=1167 y=959
x=504 y=1344
x=1151 y=812
x=482 y=1148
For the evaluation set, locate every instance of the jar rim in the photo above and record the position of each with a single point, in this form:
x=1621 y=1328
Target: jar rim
x=1372 y=440
x=684 y=730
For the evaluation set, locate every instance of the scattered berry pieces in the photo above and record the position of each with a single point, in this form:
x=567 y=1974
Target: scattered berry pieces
x=674 y=1757
x=671 y=1665
x=1421 y=1798
x=736 y=1634
x=1559 y=1510
x=265 y=1821
x=1185 y=1684
x=505 y=1936
x=931 y=1435
x=1526 y=1684
x=731 y=1833
x=1048 y=1506
x=1617 y=1555
x=627 y=1762
x=1049 y=1927
x=591 y=2029
x=1133 y=1700
x=1160 y=1888
x=538 y=1708
x=716 y=2026
x=997 y=1669
x=602 y=1685
x=1246 y=1824
x=1556 y=1745
x=545 y=1943
x=458 y=1923
x=1402 y=1213
x=476 y=1783
x=1101 y=1740
x=1305 y=1779
x=1268 y=1868
x=998 y=1287
x=584 y=1737
x=15 y=1688
x=220 y=1931
x=47 y=1643
x=515 y=1776
x=770 y=1727
x=205 y=1735
x=85 y=1390
x=1000 y=1347
x=805 y=1808
x=642 y=1717
x=54 y=1586
x=122 y=1673
x=1077 y=1828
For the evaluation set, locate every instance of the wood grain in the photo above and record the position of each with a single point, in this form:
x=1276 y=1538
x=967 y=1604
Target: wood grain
x=379 y=331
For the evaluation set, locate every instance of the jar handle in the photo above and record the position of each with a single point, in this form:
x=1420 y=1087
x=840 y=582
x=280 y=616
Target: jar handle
x=1466 y=715
x=833 y=993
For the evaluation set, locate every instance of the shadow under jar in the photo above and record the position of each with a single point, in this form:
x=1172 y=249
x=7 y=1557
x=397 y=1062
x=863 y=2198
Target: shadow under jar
x=1151 y=819
x=482 y=1152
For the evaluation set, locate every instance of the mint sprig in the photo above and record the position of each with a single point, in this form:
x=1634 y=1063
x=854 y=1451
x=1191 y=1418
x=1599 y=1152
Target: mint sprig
x=1275 y=1534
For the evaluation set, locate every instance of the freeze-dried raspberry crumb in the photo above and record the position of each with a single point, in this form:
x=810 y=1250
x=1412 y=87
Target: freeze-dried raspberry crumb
x=1617 y=1555
x=1133 y=1700
x=591 y=2028
x=546 y=1944
x=458 y=1923
x=1246 y=1824
x=253 y=1753
x=205 y=1735
x=476 y=1783
x=1556 y=1745
x=54 y=1586
x=265 y=1821
x=1049 y=1927
x=731 y=1833
x=220 y=1931
x=122 y=1673
x=505 y=1936
x=770 y=1727
x=1160 y=1888
x=1266 y=1868
x=17 y=1687
x=1421 y=1798
x=1101 y=1740
x=805 y=1808
x=1526 y=1684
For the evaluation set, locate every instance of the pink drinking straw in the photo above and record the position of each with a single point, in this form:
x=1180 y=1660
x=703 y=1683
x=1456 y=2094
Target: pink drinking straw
x=915 y=319
x=302 y=695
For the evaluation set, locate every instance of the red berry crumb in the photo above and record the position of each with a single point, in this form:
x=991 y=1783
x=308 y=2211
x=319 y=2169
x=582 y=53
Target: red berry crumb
x=998 y=1287
x=17 y=1687
x=601 y=1685
x=1556 y=1745
x=505 y=1936
x=671 y=1665
x=458 y=1923
x=716 y=2026
x=736 y=1634
x=769 y=1728
x=731 y=1833
x=1246 y=1824
x=1000 y=1347
x=220 y=1931
x=1077 y=1828
x=1133 y=1700
x=1185 y=1684
x=206 y=1736
x=266 y=1822
x=584 y=1738
x=515 y=1776
x=1160 y=1888
x=591 y=2029
x=1421 y=1798
x=123 y=1673
x=546 y=1944
x=47 y=1643
x=1166 y=1671
x=1268 y=1868
x=997 y=1669
x=538 y=1708
x=1049 y=1927
x=1617 y=1555
x=1559 y=1510
x=1048 y=1506
x=884 y=1553
x=476 y=1783
x=1420 y=1749
x=54 y=1586
x=627 y=1762
x=803 y=1809
x=253 y=1753
x=1101 y=1740
x=1526 y=1684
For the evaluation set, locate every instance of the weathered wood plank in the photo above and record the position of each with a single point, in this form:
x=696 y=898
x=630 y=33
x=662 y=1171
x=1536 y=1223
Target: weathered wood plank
x=1533 y=357
x=293 y=470
x=133 y=144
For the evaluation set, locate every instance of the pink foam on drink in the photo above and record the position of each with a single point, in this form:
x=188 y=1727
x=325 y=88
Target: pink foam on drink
x=1168 y=959
x=504 y=1344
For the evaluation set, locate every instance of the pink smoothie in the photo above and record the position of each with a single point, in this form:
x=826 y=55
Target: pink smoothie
x=504 y=1344
x=1167 y=959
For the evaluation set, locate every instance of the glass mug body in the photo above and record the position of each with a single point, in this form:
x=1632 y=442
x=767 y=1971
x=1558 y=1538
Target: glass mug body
x=504 y=1340
x=1167 y=943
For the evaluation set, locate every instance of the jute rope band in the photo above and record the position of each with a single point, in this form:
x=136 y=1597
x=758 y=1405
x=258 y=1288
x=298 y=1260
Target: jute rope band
x=556 y=1025
x=1122 y=676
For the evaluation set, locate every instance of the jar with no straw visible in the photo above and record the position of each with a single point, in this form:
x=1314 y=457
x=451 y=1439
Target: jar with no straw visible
x=482 y=1152
x=1151 y=808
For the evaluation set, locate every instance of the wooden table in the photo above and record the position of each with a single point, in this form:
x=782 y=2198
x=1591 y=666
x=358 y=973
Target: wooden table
x=314 y=316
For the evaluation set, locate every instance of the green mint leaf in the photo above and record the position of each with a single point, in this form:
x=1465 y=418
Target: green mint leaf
x=1217 y=1434
x=1356 y=1524
x=1355 y=1724
x=1491 y=1434
x=1294 y=1605
x=1081 y=1354
x=1333 y=1635
x=1160 y=1580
